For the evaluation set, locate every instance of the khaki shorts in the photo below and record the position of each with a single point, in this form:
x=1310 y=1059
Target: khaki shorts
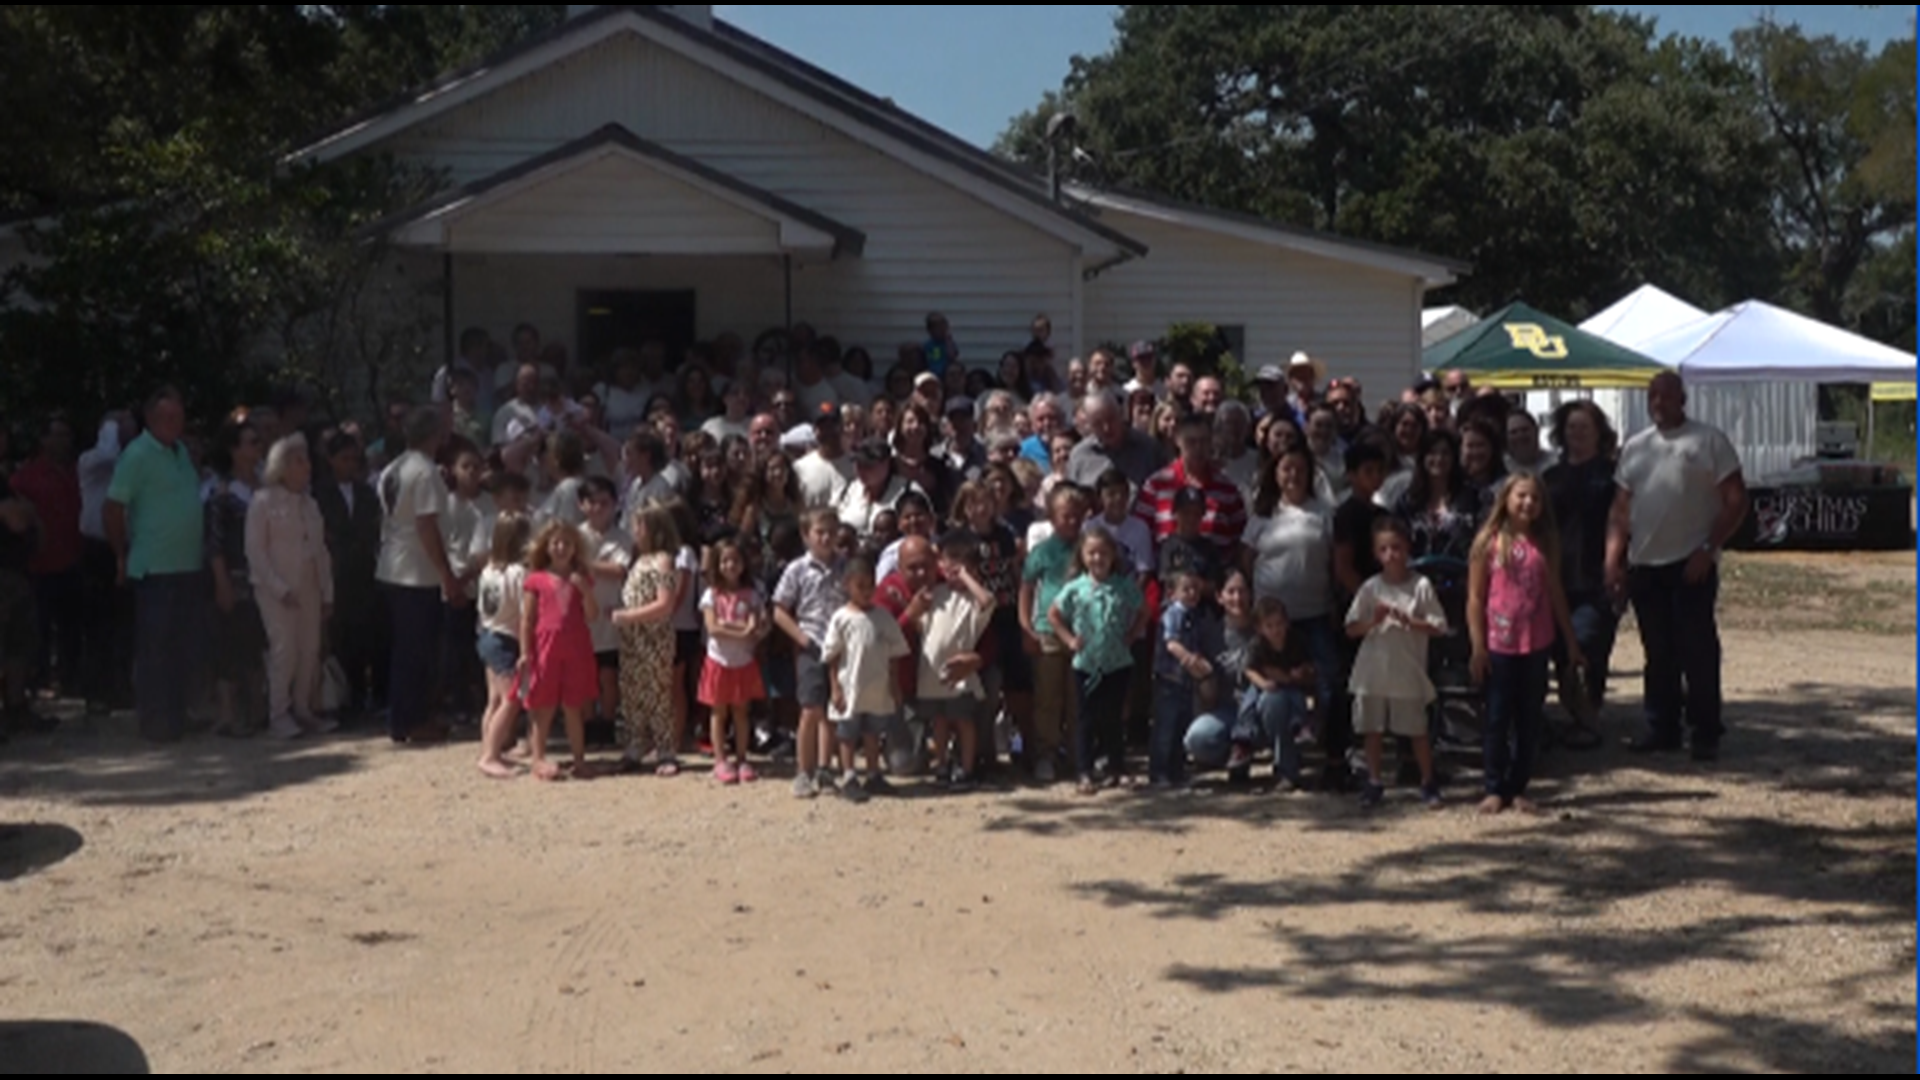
x=1402 y=717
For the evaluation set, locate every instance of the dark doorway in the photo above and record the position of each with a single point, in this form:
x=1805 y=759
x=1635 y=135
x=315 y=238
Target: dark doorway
x=623 y=320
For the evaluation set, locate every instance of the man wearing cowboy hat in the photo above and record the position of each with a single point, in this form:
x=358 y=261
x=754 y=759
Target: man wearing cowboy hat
x=1305 y=377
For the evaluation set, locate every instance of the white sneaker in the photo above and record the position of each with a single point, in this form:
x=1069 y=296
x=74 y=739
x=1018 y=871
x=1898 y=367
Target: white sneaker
x=284 y=728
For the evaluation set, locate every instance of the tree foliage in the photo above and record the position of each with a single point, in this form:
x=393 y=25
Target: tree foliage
x=1569 y=152
x=168 y=243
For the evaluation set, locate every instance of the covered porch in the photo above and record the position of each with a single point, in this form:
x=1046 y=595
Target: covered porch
x=614 y=240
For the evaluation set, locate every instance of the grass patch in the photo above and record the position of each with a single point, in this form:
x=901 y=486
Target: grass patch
x=1776 y=593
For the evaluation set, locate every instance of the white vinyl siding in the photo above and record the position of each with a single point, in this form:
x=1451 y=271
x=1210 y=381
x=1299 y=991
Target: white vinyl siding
x=1364 y=323
x=930 y=246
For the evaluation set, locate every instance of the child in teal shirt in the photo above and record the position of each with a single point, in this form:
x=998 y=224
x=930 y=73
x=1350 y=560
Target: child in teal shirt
x=1098 y=617
x=1049 y=567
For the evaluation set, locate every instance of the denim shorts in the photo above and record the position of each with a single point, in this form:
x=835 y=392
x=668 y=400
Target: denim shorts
x=499 y=652
x=866 y=725
x=810 y=680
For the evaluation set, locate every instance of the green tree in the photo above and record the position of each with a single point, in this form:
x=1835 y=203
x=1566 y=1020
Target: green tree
x=168 y=244
x=1563 y=149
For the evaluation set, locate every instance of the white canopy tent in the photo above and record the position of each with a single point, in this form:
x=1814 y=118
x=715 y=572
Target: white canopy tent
x=1439 y=324
x=1756 y=340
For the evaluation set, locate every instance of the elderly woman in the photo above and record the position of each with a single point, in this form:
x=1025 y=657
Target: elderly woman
x=998 y=412
x=293 y=580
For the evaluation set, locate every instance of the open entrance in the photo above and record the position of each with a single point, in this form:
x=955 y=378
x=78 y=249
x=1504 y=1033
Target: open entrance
x=626 y=320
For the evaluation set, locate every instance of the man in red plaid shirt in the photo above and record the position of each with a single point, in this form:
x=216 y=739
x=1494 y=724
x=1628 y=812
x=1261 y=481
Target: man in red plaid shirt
x=1225 y=521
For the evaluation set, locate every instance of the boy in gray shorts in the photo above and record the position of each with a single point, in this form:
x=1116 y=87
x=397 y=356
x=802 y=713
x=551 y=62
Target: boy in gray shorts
x=861 y=645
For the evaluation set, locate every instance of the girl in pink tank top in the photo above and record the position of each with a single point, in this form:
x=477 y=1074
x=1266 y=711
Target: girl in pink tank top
x=1516 y=612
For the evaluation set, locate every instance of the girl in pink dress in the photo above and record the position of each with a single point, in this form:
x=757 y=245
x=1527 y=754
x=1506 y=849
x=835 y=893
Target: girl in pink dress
x=737 y=620
x=557 y=668
x=1515 y=607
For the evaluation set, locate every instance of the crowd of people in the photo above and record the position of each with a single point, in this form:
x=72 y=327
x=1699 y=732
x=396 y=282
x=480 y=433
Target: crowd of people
x=947 y=569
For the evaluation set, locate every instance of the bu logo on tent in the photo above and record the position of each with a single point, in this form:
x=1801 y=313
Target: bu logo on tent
x=1534 y=338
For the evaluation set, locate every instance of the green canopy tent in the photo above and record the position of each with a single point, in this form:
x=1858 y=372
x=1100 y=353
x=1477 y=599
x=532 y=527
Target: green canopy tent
x=1522 y=349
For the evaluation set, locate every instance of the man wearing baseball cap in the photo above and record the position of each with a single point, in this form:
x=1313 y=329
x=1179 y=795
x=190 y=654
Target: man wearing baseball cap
x=1146 y=370
x=963 y=452
x=1272 y=385
x=825 y=473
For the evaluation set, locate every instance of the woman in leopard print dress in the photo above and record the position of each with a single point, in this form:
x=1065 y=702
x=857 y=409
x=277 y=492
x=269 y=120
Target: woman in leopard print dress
x=647 y=641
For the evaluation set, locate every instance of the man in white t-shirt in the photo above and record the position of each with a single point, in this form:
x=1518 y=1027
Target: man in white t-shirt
x=825 y=473
x=1683 y=497
x=416 y=574
x=1146 y=370
x=520 y=416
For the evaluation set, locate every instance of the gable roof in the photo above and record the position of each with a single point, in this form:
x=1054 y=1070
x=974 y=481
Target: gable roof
x=1432 y=270
x=615 y=139
x=855 y=113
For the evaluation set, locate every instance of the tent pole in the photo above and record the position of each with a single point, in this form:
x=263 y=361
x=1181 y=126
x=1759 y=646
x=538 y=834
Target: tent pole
x=1873 y=410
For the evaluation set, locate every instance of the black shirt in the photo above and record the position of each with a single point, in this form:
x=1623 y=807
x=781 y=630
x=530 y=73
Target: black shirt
x=16 y=549
x=1353 y=524
x=1201 y=556
x=1582 y=497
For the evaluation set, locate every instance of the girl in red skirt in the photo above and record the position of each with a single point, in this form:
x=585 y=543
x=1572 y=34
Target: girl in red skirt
x=557 y=668
x=730 y=683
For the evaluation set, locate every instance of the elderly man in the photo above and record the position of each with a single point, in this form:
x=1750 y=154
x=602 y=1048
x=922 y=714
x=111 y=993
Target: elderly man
x=417 y=576
x=1682 y=498
x=1208 y=395
x=1048 y=414
x=1112 y=444
x=1233 y=440
x=519 y=417
x=763 y=434
x=153 y=520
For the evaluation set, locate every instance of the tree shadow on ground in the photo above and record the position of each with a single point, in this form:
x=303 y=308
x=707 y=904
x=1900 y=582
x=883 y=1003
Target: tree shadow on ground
x=26 y=850
x=1624 y=831
x=96 y=767
x=60 y=1049
x=1808 y=740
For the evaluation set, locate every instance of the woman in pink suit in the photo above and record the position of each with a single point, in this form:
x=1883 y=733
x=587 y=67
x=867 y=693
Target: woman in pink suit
x=293 y=581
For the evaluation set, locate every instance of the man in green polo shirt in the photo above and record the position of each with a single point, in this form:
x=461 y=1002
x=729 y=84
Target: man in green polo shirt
x=154 y=523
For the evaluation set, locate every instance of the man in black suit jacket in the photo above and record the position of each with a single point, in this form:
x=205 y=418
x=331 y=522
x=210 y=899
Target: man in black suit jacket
x=359 y=633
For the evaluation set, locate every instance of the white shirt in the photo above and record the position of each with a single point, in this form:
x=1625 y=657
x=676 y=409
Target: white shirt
x=642 y=492
x=862 y=646
x=857 y=510
x=1293 y=558
x=506 y=375
x=1674 y=478
x=410 y=489
x=686 y=617
x=722 y=429
x=954 y=627
x=461 y=527
x=1244 y=473
x=564 y=504
x=817 y=397
x=1393 y=659
x=615 y=547
x=852 y=390
x=731 y=653
x=1159 y=389
x=1133 y=536
x=626 y=409
x=499 y=599
x=96 y=476
x=821 y=481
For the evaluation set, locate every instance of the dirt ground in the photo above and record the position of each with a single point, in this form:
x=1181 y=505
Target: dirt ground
x=343 y=907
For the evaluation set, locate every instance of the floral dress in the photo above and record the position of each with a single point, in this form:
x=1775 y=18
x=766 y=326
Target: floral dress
x=646 y=661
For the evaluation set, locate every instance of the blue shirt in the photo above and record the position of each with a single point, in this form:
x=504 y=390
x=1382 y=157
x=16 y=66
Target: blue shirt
x=161 y=490
x=937 y=358
x=1178 y=626
x=1035 y=450
x=1102 y=615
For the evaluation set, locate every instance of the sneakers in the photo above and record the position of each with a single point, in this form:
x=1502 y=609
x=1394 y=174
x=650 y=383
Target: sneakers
x=804 y=787
x=1373 y=796
x=1242 y=759
x=851 y=791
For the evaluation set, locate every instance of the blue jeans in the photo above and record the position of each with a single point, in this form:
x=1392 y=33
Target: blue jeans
x=170 y=625
x=1260 y=717
x=1329 y=673
x=1682 y=639
x=1516 y=719
x=1102 y=730
x=417 y=617
x=1172 y=716
x=1595 y=626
